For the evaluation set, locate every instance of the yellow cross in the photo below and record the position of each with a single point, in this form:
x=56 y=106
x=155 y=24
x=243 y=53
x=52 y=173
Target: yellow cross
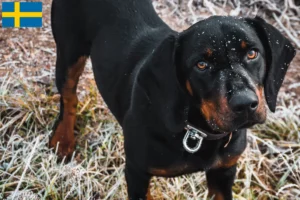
x=17 y=14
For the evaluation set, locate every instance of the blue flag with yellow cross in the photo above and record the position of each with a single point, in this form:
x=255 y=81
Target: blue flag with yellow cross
x=22 y=14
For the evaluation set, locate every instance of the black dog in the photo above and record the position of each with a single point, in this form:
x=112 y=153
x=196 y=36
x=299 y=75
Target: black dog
x=184 y=100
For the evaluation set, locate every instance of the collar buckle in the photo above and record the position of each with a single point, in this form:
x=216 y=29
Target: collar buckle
x=194 y=134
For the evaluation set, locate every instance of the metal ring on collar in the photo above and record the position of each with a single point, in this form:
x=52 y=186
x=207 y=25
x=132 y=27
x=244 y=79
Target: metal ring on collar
x=191 y=134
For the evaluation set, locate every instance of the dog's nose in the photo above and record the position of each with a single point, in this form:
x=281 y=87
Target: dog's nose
x=244 y=102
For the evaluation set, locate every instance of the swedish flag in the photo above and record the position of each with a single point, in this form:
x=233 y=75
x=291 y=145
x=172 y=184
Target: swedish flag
x=22 y=14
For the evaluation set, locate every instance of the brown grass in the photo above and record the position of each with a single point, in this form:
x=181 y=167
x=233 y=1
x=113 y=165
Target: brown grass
x=269 y=168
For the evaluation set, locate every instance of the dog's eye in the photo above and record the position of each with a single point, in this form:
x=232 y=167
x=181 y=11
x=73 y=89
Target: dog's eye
x=202 y=65
x=252 y=54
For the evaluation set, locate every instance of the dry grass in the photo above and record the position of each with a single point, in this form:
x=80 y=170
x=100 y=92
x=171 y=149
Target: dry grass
x=269 y=168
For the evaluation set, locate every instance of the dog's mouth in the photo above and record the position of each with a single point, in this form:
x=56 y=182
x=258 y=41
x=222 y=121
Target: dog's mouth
x=234 y=124
x=247 y=124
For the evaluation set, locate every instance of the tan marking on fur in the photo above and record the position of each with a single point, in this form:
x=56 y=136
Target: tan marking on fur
x=224 y=104
x=170 y=171
x=159 y=172
x=189 y=87
x=149 y=196
x=64 y=133
x=226 y=162
x=223 y=109
x=212 y=112
x=209 y=52
x=243 y=44
x=261 y=110
x=218 y=121
x=207 y=107
x=215 y=194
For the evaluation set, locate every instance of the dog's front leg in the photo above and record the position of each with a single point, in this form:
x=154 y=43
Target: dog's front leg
x=220 y=182
x=137 y=183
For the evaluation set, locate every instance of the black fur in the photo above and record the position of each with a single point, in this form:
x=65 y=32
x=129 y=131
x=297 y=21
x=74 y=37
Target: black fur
x=279 y=54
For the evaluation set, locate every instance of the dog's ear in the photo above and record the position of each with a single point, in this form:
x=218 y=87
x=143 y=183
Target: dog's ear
x=279 y=53
x=158 y=82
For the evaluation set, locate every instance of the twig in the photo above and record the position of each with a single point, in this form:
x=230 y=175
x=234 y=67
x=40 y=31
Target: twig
x=26 y=167
x=286 y=31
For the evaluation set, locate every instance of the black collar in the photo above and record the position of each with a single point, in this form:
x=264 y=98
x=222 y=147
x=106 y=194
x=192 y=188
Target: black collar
x=205 y=134
x=199 y=135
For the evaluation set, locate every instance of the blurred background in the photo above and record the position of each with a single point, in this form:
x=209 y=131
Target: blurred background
x=269 y=168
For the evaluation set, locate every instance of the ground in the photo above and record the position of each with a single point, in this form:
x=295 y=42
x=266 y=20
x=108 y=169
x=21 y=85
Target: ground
x=269 y=168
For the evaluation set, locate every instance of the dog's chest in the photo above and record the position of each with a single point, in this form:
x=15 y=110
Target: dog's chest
x=192 y=165
x=177 y=163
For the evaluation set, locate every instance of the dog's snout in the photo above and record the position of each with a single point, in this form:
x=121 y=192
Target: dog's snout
x=244 y=102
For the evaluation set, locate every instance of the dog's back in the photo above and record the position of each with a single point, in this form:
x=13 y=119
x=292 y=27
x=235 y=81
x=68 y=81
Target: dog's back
x=122 y=33
x=90 y=16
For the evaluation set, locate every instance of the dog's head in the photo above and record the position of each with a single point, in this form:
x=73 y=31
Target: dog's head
x=226 y=63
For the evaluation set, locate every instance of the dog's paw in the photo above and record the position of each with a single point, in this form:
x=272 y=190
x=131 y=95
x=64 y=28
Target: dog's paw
x=64 y=148
x=64 y=145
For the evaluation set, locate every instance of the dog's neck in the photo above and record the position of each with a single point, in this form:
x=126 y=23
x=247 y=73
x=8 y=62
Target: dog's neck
x=198 y=134
x=191 y=113
x=196 y=120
